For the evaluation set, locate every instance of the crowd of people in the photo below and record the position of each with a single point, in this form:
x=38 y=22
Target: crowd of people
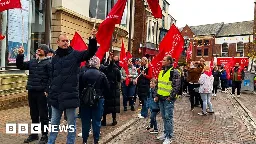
x=57 y=84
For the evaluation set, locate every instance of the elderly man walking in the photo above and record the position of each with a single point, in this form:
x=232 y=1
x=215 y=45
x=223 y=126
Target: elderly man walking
x=63 y=93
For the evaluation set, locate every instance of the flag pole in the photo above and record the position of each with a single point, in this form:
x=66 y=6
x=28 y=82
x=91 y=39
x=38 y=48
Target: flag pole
x=97 y=8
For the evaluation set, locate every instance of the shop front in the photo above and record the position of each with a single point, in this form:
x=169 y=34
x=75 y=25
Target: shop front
x=25 y=28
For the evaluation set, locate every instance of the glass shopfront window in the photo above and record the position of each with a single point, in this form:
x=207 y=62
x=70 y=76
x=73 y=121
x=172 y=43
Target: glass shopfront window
x=26 y=28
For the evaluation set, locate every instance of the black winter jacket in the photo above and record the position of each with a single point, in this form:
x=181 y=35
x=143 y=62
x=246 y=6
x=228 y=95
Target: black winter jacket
x=91 y=76
x=64 y=93
x=39 y=73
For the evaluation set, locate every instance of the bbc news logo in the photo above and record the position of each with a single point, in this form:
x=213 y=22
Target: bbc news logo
x=11 y=128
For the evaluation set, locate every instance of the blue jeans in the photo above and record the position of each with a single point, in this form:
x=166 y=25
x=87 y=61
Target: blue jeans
x=166 y=108
x=206 y=97
x=144 y=110
x=128 y=94
x=153 y=122
x=71 y=118
x=95 y=114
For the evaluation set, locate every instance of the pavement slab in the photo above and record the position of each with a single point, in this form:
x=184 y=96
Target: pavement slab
x=226 y=126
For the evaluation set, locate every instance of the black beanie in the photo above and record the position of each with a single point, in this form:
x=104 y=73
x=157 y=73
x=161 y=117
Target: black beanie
x=45 y=48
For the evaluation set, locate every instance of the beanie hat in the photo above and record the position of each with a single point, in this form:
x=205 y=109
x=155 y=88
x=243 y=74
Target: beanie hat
x=45 y=48
x=51 y=51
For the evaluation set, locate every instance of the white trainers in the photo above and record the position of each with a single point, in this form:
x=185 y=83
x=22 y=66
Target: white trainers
x=161 y=137
x=141 y=117
x=238 y=96
x=215 y=95
x=79 y=135
x=167 y=141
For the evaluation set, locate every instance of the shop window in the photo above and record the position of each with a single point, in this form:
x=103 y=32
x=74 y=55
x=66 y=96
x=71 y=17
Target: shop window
x=206 y=42
x=149 y=31
x=206 y=51
x=224 y=50
x=199 y=52
x=240 y=49
x=199 y=42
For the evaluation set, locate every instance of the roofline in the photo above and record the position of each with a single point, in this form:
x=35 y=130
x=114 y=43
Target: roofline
x=234 y=35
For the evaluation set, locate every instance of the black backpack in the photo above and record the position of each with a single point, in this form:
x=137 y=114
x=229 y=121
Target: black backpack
x=89 y=96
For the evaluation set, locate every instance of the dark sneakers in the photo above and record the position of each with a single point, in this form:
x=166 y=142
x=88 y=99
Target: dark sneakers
x=125 y=108
x=132 y=108
x=114 y=122
x=43 y=140
x=31 y=138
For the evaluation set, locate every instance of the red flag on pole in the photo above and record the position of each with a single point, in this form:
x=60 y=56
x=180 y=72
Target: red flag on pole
x=173 y=40
x=229 y=66
x=155 y=8
x=9 y=4
x=189 y=52
x=78 y=44
x=124 y=63
x=107 y=27
x=129 y=55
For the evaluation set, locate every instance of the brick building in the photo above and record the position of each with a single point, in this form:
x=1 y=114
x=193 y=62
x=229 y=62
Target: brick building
x=148 y=31
x=218 y=40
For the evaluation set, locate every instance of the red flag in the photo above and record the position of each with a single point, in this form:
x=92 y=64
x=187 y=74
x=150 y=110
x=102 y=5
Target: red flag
x=78 y=44
x=155 y=8
x=229 y=66
x=124 y=63
x=9 y=4
x=107 y=27
x=173 y=40
x=129 y=55
x=189 y=52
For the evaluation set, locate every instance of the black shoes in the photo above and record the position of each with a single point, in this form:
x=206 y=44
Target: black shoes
x=125 y=108
x=132 y=108
x=114 y=122
x=31 y=138
x=43 y=140
x=103 y=123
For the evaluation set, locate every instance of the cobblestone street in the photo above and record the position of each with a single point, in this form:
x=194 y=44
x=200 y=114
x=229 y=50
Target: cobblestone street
x=229 y=125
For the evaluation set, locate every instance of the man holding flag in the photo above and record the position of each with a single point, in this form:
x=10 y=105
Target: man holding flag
x=168 y=88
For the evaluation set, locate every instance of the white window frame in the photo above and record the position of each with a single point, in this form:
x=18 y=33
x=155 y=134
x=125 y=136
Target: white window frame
x=237 y=48
x=223 y=52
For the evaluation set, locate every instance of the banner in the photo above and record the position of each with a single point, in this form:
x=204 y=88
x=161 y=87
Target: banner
x=18 y=31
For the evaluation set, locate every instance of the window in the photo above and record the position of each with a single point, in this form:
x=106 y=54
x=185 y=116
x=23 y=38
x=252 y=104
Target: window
x=199 y=42
x=102 y=9
x=206 y=51
x=186 y=46
x=164 y=6
x=149 y=31
x=163 y=22
x=199 y=51
x=224 y=50
x=153 y=32
x=206 y=42
x=240 y=49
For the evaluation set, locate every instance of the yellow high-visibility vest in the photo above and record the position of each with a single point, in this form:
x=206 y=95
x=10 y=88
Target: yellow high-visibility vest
x=164 y=83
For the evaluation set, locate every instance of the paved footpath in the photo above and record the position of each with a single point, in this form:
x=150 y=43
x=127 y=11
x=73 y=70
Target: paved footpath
x=229 y=125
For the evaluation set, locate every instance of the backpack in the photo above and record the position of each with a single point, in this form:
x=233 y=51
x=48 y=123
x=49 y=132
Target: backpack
x=89 y=96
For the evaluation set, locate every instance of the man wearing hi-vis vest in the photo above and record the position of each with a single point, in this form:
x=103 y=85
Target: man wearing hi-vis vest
x=169 y=81
x=237 y=76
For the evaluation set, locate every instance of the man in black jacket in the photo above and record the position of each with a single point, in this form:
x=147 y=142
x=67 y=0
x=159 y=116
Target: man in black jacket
x=63 y=93
x=37 y=86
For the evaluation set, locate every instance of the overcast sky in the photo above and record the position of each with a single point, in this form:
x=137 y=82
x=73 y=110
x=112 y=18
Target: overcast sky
x=199 y=12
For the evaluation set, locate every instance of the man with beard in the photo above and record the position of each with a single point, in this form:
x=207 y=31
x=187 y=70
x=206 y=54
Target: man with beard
x=37 y=86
